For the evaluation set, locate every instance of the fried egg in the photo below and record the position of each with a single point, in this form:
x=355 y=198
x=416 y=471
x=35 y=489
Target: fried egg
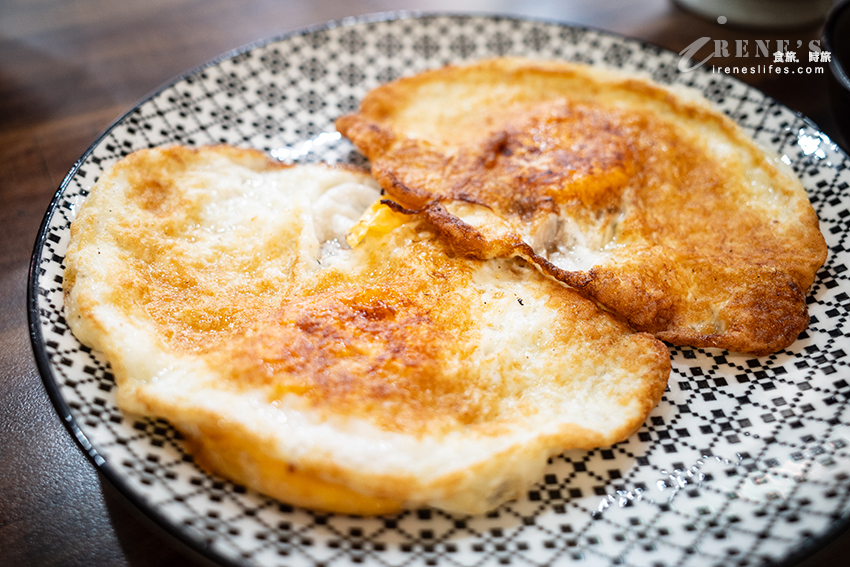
x=641 y=197
x=322 y=347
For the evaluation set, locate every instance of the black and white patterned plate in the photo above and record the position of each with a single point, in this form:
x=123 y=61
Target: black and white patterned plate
x=745 y=461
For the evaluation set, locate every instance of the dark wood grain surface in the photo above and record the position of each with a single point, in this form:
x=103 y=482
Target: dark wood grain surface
x=68 y=68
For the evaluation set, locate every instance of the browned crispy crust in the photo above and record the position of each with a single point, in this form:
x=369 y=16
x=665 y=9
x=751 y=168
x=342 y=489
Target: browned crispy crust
x=712 y=244
x=193 y=326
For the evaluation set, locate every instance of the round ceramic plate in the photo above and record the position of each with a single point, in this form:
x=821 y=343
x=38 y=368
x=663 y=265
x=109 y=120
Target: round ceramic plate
x=744 y=461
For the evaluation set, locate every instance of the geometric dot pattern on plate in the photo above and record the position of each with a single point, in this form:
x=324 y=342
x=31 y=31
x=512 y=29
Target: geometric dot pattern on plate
x=744 y=460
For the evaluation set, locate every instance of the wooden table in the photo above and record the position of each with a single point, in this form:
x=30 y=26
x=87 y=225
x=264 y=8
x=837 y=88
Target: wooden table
x=67 y=69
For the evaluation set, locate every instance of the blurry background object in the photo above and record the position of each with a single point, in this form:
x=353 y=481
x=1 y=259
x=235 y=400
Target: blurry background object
x=765 y=14
x=836 y=41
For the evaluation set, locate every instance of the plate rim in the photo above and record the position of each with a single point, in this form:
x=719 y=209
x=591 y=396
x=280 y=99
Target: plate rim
x=150 y=513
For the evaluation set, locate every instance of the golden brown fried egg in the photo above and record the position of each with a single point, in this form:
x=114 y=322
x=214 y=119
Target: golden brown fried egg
x=314 y=344
x=641 y=197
